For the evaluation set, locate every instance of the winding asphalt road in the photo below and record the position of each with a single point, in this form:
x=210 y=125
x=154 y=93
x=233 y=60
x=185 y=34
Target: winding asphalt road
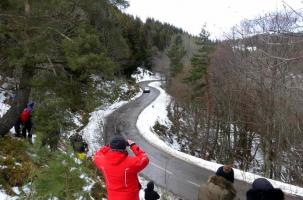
x=179 y=177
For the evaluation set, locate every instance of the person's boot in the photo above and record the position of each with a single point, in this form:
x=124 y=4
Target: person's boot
x=17 y=131
x=18 y=135
x=23 y=129
x=29 y=138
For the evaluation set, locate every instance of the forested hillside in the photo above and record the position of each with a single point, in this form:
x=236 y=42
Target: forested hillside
x=55 y=46
x=240 y=99
x=69 y=57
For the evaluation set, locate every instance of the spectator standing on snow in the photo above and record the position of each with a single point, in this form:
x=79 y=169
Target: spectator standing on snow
x=121 y=170
x=150 y=194
x=262 y=189
x=220 y=186
x=24 y=121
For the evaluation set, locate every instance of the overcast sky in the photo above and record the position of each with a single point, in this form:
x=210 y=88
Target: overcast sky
x=219 y=15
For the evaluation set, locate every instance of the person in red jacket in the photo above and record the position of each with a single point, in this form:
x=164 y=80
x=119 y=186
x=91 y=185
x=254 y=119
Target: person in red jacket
x=121 y=170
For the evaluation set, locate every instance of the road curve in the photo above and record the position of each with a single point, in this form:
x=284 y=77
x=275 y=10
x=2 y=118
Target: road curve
x=181 y=178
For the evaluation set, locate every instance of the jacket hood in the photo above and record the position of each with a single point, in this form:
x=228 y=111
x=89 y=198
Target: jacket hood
x=115 y=157
x=271 y=194
x=217 y=187
x=262 y=184
x=150 y=186
x=222 y=183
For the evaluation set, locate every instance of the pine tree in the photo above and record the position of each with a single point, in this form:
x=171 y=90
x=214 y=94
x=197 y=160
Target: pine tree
x=51 y=48
x=176 y=53
x=58 y=177
x=200 y=62
x=49 y=37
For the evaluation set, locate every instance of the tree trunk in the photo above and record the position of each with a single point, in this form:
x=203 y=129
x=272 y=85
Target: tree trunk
x=22 y=94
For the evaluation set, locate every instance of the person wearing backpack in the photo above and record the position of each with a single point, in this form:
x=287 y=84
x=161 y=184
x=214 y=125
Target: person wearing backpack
x=24 y=122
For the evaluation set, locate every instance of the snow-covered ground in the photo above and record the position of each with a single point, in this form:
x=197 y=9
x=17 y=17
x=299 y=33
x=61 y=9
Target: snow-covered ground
x=157 y=112
x=4 y=196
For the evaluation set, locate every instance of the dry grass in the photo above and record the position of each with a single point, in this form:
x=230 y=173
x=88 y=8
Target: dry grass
x=15 y=164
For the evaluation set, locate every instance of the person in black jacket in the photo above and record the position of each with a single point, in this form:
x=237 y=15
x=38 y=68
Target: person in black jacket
x=262 y=189
x=227 y=172
x=150 y=194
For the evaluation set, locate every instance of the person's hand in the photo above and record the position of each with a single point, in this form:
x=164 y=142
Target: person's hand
x=130 y=142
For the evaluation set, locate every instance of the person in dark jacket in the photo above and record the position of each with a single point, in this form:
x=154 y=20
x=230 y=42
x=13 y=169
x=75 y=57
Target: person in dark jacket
x=262 y=189
x=79 y=145
x=150 y=194
x=227 y=172
x=121 y=170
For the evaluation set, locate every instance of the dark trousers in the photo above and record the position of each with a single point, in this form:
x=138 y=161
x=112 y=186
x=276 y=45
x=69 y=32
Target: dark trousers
x=26 y=127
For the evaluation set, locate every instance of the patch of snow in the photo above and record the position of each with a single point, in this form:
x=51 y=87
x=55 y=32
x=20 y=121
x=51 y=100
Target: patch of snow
x=72 y=169
x=95 y=77
x=145 y=75
x=124 y=88
x=78 y=161
x=5 y=85
x=175 y=144
x=156 y=110
x=26 y=189
x=16 y=190
x=4 y=196
x=90 y=183
x=242 y=47
x=259 y=157
x=34 y=137
x=77 y=120
x=3 y=107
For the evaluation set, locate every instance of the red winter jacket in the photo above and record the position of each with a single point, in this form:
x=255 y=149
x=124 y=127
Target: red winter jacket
x=120 y=171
